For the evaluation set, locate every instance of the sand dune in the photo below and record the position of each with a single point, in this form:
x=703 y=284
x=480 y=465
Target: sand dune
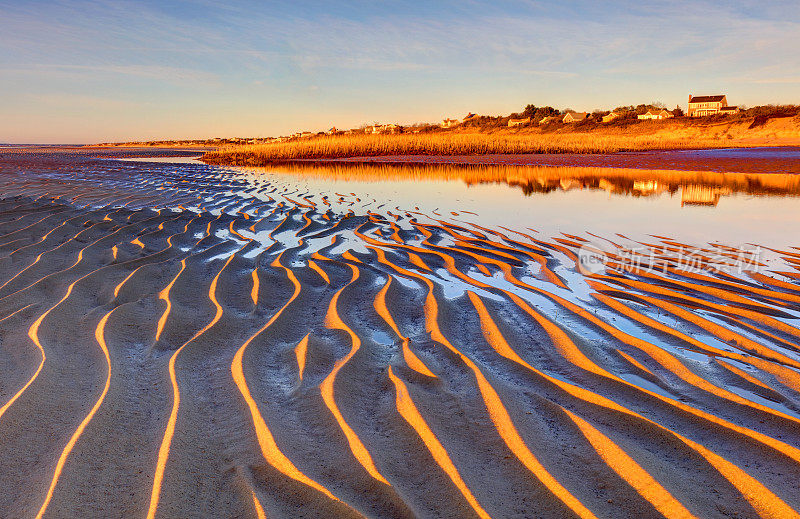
x=193 y=345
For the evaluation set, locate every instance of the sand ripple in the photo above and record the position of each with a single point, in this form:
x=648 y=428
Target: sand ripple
x=192 y=344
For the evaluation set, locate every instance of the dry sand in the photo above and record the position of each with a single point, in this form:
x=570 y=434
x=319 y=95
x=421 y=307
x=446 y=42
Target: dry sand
x=267 y=357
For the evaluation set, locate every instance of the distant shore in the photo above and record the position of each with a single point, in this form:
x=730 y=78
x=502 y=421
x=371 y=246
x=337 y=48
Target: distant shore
x=678 y=134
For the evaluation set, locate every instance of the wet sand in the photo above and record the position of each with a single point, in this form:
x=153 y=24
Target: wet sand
x=185 y=343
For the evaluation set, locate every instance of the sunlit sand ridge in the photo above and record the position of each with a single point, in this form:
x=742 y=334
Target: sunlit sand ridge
x=258 y=354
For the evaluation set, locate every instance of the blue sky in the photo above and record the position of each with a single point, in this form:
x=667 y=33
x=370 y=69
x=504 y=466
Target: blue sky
x=91 y=71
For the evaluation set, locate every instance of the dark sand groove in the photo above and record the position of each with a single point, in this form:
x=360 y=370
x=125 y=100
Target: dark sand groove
x=189 y=341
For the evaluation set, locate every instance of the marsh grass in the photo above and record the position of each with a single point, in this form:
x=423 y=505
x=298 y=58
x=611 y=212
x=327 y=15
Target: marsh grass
x=447 y=143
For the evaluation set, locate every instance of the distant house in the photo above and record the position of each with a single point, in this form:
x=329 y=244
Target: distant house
x=518 y=122
x=574 y=117
x=610 y=117
x=549 y=119
x=449 y=123
x=655 y=113
x=383 y=128
x=332 y=131
x=470 y=116
x=701 y=106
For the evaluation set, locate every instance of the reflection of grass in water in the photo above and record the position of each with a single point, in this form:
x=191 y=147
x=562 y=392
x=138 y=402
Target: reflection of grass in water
x=543 y=179
x=333 y=146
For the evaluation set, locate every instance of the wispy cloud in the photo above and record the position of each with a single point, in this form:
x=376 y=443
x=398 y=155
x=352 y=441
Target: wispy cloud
x=772 y=80
x=126 y=37
x=164 y=73
x=782 y=80
x=79 y=101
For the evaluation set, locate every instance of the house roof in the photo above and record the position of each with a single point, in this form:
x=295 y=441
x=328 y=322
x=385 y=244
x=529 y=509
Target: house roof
x=706 y=99
x=578 y=115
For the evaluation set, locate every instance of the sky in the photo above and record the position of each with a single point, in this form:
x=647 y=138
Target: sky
x=103 y=71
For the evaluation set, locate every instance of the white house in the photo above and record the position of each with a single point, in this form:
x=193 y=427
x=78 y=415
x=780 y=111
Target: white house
x=573 y=117
x=655 y=113
x=700 y=106
x=383 y=128
x=518 y=122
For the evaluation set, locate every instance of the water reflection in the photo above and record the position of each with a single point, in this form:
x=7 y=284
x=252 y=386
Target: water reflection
x=696 y=188
x=692 y=206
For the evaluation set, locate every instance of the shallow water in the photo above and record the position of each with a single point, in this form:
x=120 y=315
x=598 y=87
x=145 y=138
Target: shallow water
x=694 y=206
x=700 y=207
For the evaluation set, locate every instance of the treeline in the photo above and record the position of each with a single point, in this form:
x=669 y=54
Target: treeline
x=625 y=115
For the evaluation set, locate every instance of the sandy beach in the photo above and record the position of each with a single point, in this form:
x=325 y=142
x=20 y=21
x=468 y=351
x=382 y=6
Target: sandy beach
x=188 y=341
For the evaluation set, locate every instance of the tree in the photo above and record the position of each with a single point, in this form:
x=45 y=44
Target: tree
x=529 y=111
x=536 y=113
x=678 y=112
x=546 y=111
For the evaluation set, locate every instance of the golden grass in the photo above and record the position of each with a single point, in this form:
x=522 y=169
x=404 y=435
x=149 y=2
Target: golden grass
x=448 y=143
